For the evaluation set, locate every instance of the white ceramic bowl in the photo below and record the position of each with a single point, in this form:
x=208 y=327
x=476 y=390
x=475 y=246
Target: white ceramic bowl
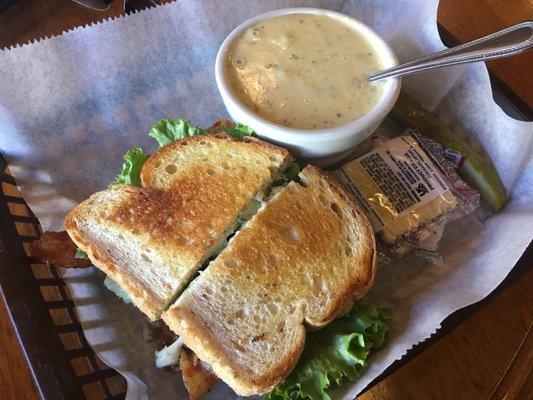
x=321 y=146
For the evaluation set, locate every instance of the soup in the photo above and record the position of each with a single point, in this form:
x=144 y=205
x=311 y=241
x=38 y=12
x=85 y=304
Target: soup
x=304 y=71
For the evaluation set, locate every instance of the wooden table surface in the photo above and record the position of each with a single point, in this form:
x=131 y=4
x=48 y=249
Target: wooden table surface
x=488 y=356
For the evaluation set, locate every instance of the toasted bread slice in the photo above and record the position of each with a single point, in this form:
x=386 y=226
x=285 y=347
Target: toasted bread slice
x=302 y=260
x=152 y=240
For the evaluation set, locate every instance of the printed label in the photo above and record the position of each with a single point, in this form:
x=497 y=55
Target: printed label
x=404 y=173
x=375 y=219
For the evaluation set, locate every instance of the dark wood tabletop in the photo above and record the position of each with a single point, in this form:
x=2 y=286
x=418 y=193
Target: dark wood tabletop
x=487 y=356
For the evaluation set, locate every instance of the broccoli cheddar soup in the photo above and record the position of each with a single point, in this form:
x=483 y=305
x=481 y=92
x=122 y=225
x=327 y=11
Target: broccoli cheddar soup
x=304 y=71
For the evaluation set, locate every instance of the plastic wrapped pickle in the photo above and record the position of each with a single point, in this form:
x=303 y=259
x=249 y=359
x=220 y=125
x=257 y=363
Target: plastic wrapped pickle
x=406 y=184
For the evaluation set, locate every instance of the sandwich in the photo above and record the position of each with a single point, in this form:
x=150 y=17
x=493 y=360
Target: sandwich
x=255 y=267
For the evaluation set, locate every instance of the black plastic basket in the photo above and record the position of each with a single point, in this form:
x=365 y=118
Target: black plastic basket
x=61 y=361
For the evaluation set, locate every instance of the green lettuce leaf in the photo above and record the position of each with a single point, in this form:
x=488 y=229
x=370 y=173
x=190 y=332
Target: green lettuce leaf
x=240 y=130
x=290 y=174
x=131 y=169
x=292 y=171
x=168 y=130
x=338 y=351
x=80 y=254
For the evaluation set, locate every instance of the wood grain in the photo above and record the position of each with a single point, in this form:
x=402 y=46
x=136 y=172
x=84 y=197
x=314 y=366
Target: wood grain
x=471 y=19
x=16 y=382
x=517 y=380
x=28 y=20
x=487 y=356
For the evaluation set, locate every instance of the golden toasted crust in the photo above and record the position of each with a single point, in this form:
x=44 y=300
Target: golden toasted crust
x=152 y=305
x=302 y=259
x=256 y=150
x=206 y=192
x=193 y=191
x=205 y=343
x=357 y=289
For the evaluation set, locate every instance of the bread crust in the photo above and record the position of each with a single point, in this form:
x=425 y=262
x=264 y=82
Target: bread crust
x=357 y=289
x=248 y=143
x=200 y=338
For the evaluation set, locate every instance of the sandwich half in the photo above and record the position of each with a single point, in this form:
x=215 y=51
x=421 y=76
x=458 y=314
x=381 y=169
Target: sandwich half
x=299 y=263
x=195 y=192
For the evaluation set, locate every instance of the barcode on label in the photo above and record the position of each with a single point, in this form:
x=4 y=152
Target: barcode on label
x=404 y=174
x=393 y=188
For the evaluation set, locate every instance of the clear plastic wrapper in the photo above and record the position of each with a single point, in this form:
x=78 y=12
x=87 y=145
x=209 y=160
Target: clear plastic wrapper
x=409 y=188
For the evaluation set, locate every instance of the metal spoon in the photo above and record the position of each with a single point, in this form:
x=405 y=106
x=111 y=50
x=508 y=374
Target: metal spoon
x=509 y=41
x=129 y=5
x=98 y=5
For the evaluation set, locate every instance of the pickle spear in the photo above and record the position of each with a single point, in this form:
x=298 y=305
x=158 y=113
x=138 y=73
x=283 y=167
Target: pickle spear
x=476 y=170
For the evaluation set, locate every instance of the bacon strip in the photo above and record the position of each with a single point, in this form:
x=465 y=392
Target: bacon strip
x=58 y=249
x=198 y=377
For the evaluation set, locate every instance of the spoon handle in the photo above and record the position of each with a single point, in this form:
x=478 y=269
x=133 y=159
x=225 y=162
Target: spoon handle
x=509 y=41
